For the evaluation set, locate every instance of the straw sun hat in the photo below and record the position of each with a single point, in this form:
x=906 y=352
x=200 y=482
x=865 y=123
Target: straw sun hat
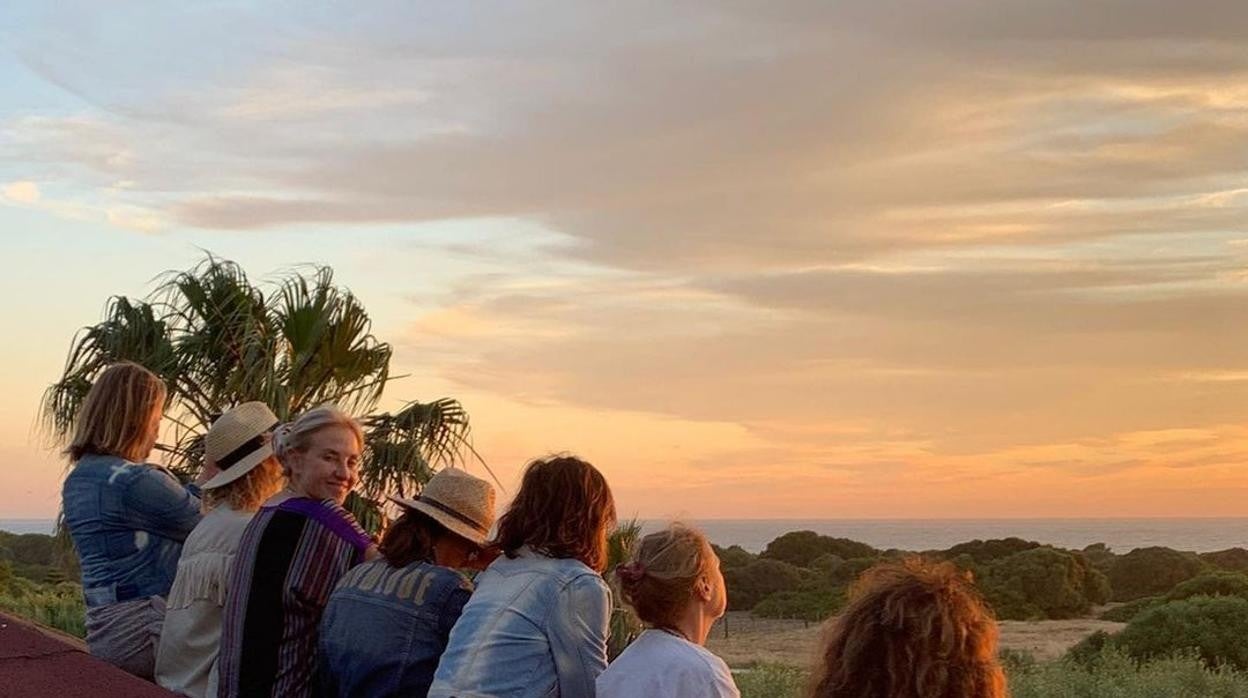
x=239 y=441
x=461 y=503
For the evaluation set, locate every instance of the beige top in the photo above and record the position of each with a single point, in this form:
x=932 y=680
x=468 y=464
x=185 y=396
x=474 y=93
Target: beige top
x=186 y=661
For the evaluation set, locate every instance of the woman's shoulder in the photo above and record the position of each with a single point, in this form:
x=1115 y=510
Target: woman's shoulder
x=329 y=516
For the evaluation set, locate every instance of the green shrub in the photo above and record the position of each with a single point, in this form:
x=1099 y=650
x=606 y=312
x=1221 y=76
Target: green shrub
x=756 y=581
x=56 y=605
x=1212 y=584
x=1115 y=675
x=1042 y=582
x=812 y=605
x=982 y=551
x=770 y=681
x=1129 y=610
x=1231 y=559
x=801 y=548
x=1214 y=627
x=733 y=556
x=1151 y=572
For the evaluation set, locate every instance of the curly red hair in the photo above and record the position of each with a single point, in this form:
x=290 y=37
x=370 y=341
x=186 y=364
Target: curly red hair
x=911 y=630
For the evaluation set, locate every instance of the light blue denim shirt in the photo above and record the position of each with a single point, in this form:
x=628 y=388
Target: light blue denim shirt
x=536 y=627
x=128 y=522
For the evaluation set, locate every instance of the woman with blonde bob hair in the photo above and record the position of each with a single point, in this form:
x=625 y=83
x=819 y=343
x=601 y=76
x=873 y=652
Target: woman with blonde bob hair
x=911 y=630
x=238 y=452
x=292 y=554
x=674 y=584
x=127 y=518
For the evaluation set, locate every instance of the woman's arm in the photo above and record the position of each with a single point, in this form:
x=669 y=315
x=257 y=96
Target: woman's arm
x=159 y=504
x=578 y=634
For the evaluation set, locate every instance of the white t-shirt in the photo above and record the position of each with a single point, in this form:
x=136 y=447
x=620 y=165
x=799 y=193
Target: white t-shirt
x=661 y=665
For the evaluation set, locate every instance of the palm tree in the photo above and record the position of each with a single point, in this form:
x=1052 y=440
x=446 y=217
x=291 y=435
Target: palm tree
x=218 y=340
x=625 y=626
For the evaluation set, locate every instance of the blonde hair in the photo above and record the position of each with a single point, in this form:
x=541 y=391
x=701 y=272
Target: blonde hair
x=249 y=491
x=297 y=435
x=660 y=581
x=115 y=416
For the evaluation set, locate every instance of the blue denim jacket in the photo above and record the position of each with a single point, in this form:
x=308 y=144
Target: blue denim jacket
x=128 y=522
x=386 y=627
x=536 y=627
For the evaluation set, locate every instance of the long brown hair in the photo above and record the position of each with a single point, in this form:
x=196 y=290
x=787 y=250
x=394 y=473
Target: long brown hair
x=117 y=413
x=410 y=539
x=564 y=510
x=911 y=630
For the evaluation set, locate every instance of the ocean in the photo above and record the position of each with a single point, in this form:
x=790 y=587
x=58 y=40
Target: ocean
x=1121 y=535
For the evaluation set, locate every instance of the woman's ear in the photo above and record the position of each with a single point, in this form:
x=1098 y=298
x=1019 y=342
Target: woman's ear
x=703 y=589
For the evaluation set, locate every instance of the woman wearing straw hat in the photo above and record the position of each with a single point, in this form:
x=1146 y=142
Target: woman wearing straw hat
x=239 y=448
x=388 y=621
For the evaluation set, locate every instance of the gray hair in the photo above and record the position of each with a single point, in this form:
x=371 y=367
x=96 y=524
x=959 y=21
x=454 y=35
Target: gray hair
x=297 y=435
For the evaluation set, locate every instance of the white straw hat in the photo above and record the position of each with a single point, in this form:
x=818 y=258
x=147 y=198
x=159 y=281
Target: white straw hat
x=461 y=503
x=238 y=441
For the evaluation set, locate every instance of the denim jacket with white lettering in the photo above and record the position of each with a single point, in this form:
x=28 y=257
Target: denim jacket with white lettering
x=385 y=628
x=536 y=627
x=128 y=522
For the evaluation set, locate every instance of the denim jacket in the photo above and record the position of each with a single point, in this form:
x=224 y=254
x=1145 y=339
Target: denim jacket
x=128 y=522
x=385 y=628
x=536 y=627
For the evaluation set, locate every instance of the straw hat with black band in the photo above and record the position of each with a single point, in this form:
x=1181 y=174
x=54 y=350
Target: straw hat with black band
x=238 y=441
x=461 y=503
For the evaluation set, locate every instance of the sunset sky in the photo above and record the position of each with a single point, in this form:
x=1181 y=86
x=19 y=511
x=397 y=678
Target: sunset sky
x=873 y=258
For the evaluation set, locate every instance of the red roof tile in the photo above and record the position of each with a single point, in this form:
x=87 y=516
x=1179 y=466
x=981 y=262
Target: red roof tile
x=36 y=662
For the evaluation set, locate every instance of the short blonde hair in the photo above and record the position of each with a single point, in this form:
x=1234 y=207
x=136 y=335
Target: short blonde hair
x=297 y=435
x=248 y=492
x=660 y=581
x=115 y=417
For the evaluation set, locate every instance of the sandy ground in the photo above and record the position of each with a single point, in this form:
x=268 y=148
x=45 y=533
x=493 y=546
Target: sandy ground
x=752 y=639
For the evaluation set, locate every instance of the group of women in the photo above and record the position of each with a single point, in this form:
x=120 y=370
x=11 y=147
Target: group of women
x=255 y=581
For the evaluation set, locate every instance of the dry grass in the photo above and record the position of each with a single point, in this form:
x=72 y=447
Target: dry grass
x=752 y=640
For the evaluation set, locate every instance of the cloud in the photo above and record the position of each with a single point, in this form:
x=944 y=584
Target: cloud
x=896 y=236
x=21 y=192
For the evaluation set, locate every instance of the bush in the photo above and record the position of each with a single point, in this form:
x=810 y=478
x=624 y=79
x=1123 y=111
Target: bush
x=1213 y=584
x=58 y=606
x=1231 y=559
x=982 y=551
x=1101 y=557
x=770 y=681
x=1151 y=572
x=1129 y=610
x=756 y=581
x=801 y=548
x=1214 y=627
x=1113 y=674
x=733 y=556
x=1042 y=583
x=812 y=605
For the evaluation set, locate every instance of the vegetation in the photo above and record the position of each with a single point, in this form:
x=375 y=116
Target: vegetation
x=1212 y=584
x=58 y=605
x=1113 y=674
x=294 y=343
x=1212 y=628
x=1151 y=571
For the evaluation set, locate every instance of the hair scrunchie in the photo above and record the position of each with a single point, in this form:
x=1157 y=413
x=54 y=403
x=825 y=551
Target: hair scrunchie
x=631 y=572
